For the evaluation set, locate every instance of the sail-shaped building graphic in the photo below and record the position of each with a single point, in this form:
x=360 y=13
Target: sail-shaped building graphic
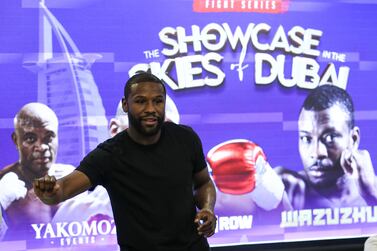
x=66 y=84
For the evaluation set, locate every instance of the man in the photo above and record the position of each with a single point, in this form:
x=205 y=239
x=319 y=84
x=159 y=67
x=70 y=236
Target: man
x=97 y=203
x=36 y=139
x=336 y=172
x=155 y=174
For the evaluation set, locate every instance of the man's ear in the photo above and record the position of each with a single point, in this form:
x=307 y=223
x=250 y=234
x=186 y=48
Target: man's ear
x=355 y=138
x=14 y=139
x=124 y=105
x=114 y=127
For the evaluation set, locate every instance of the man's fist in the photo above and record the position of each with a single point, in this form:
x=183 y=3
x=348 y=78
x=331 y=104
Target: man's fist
x=46 y=189
x=357 y=165
x=205 y=219
x=11 y=189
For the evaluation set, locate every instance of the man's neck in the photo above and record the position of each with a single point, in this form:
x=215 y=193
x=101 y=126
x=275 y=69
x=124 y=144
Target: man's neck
x=143 y=139
x=26 y=175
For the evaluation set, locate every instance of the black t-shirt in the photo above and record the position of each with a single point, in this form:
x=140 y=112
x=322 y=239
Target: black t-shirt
x=150 y=186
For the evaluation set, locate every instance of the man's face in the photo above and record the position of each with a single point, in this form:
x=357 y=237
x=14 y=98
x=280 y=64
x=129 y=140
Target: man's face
x=146 y=108
x=323 y=136
x=37 y=146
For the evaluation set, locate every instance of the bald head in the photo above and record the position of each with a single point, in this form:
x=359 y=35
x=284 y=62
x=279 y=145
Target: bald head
x=36 y=138
x=36 y=115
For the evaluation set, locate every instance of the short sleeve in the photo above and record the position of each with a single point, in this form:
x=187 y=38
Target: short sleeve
x=96 y=165
x=198 y=155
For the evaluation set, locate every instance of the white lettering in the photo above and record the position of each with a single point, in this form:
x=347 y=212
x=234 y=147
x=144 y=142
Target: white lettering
x=328 y=216
x=37 y=228
x=234 y=222
x=74 y=226
x=181 y=70
x=104 y=227
x=346 y=215
x=89 y=229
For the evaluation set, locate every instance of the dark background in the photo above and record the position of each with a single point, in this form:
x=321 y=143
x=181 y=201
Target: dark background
x=354 y=244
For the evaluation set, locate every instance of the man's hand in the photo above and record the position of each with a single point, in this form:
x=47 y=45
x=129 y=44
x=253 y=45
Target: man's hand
x=46 y=188
x=358 y=164
x=11 y=189
x=206 y=221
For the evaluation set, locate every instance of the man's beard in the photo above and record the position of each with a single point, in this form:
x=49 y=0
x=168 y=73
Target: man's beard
x=136 y=123
x=333 y=171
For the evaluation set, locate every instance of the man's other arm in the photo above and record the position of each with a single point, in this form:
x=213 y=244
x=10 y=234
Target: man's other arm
x=205 y=199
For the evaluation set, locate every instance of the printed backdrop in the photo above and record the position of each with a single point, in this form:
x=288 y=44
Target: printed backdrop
x=235 y=69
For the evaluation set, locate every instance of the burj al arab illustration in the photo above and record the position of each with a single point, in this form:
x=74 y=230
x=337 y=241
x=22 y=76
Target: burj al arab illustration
x=67 y=86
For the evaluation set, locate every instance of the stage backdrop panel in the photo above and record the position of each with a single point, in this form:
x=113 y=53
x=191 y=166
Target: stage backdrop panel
x=236 y=71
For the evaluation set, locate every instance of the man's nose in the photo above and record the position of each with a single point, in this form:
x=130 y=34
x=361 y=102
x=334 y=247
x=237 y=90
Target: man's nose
x=320 y=150
x=41 y=146
x=150 y=107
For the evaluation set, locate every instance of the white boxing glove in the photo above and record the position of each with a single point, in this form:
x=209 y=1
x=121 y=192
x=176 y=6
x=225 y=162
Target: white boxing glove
x=269 y=187
x=11 y=189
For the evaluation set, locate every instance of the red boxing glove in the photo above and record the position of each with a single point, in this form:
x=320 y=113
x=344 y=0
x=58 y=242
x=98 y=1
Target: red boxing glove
x=233 y=165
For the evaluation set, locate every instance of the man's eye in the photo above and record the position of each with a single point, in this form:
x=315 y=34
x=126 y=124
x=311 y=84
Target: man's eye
x=329 y=138
x=306 y=139
x=49 y=139
x=29 y=139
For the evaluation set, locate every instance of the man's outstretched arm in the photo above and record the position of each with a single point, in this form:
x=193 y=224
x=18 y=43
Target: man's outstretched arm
x=205 y=199
x=51 y=191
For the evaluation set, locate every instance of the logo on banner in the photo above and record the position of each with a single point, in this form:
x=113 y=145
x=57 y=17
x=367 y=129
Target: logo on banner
x=328 y=216
x=193 y=57
x=260 y=6
x=73 y=233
